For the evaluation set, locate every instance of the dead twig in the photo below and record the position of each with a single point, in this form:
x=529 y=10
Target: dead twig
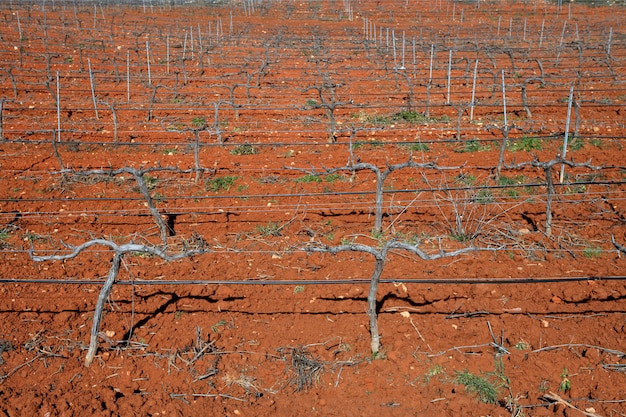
x=583 y=345
x=552 y=397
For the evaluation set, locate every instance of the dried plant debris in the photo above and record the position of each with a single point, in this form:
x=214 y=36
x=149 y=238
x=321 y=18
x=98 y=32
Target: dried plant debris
x=306 y=369
x=5 y=346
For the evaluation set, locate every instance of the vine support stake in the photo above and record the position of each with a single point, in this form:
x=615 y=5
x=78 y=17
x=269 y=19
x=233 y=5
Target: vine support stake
x=505 y=131
x=1 y=120
x=430 y=81
x=550 y=190
x=58 y=109
x=128 y=75
x=148 y=62
x=93 y=88
x=565 y=137
x=449 y=71
x=473 y=103
x=167 y=53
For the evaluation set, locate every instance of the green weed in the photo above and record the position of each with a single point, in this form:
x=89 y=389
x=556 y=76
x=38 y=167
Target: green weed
x=596 y=142
x=473 y=145
x=271 y=229
x=525 y=144
x=33 y=237
x=522 y=345
x=308 y=179
x=410 y=117
x=591 y=252
x=483 y=197
x=576 y=144
x=151 y=182
x=216 y=327
x=465 y=179
x=333 y=177
x=485 y=390
x=418 y=147
x=565 y=384
x=246 y=149
x=198 y=122
x=432 y=372
x=158 y=197
x=461 y=237
x=220 y=183
x=5 y=233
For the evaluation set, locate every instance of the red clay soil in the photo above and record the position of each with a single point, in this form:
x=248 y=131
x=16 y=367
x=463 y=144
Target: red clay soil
x=529 y=322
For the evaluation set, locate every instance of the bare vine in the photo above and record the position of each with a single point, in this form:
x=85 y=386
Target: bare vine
x=380 y=257
x=119 y=252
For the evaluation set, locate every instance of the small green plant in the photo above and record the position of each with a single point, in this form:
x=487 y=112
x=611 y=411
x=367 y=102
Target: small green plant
x=417 y=147
x=308 y=179
x=220 y=183
x=378 y=119
x=176 y=127
x=151 y=182
x=311 y=103
x=246 y=149
x=465 y=179
x=522 y=345
x=525 y=144
x=298 y=289
x=485 y=390
x=473 y=145
x=344 y=347
x=5 y=233
x=432 y=372
x=403 y=116
x=544 y=385
x=483 y=197
x=373 y=144
x=511 y=183
x=576 y=144
x=377 y=234
x=158 y=197
x=379 y=355
x=333 y=177
x=576 y=189
x=565 y=384
x=33 y=237
x=596 y=142
x=271 y=229
x=461 y=237
x=410 y=117
x=591 y=252
x=216 y=327
x=198 y=122
x=169 y=151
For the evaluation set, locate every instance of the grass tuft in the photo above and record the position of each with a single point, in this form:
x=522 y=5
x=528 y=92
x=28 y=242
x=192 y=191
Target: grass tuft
x=485 y=390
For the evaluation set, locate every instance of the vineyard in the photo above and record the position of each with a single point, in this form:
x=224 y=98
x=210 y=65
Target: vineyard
x=283 y=208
